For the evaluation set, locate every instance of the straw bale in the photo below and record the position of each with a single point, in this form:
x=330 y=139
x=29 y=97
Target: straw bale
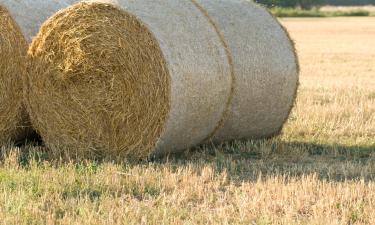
x=265 y=68
x=148 y=77
x=13 y=47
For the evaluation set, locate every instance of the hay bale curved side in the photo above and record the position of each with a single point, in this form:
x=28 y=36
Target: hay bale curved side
x=199 y=68
x=30 y=14
x=117 y=84
x=265 y=66
x=13 y=47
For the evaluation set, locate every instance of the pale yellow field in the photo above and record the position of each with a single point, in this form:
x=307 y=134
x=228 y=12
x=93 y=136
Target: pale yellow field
x=336 y=103
x=320 y=171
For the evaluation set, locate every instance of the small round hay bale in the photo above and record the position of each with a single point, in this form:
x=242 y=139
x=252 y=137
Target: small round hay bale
x=30 y=14
x=151 y=76
x=264 y=67
x=13 y=47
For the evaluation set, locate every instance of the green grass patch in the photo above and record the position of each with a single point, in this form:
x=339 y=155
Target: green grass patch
x=349 y=13
x=295 y=12
x=315 y=12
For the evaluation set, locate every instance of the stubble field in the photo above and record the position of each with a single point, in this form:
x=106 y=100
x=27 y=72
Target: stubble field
x=321 y=170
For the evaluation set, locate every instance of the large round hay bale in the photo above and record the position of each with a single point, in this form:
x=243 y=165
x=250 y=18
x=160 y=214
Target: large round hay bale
x=149 y=76
x=264 y=65
x=13 y=47
x=30 y=14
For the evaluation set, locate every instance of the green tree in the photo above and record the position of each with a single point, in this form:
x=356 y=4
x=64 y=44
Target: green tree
x=308 y=4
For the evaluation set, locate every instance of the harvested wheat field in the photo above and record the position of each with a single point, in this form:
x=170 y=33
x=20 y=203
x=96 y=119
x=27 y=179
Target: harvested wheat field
x=320 y=171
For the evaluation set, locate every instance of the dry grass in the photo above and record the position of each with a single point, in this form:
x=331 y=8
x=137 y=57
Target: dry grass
x=336 y=99
x=321 y=171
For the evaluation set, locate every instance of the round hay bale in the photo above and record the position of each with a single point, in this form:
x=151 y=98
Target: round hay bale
x=146 y=77
x=13 y=47
x=264 y=67
x=30 y=14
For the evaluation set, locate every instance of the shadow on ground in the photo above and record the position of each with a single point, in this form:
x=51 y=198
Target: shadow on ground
x=240 y=160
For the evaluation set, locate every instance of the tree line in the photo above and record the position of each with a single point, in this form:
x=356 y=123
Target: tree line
x=308 y=4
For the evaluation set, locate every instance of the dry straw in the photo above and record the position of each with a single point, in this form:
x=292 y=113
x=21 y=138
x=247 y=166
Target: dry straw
x=20 y=22
x=110 y=85
x=159 y=76
x=13 y=47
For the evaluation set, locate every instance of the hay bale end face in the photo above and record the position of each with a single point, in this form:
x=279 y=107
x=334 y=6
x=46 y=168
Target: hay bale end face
x=104 y=90
x=13 y=47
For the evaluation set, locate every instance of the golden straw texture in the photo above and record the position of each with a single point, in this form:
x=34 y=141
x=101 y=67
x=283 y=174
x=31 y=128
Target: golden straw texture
x=13 y=47
x=100 y=85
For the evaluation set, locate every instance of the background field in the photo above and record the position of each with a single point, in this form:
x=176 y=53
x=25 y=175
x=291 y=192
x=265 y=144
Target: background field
x=320 y=171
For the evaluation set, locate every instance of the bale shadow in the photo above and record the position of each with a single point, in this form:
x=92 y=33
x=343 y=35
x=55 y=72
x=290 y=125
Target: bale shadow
x=246 y=160
x=242 y=161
